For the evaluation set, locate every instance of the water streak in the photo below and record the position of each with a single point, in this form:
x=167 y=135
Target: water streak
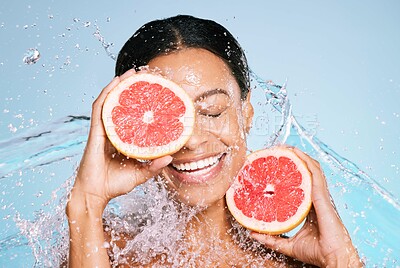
x=107 y=46
x=32 y=159
x=59 y=140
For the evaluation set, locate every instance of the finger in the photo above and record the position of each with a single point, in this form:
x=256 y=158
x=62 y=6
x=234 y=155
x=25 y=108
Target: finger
x=97 y=134
x=145 y=170
x=319 y=186
x=97 y=129
x=321 y=198
x=276 y=243
x=127 y=74
x=159 y=163
x=312 y=216
x=154 y=168
x=98 y=104
x=109 y=148
x=133 y=173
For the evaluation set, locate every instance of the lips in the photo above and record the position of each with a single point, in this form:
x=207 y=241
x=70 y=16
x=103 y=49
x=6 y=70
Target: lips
x=199 y=171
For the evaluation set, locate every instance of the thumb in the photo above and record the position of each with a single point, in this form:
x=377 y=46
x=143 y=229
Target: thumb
x=130 y=173
x=153 y=168
x=277 y=243
x=159 y=163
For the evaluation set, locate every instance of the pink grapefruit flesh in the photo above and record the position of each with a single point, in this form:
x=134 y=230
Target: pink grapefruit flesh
x=272 y=192
x=147 y=116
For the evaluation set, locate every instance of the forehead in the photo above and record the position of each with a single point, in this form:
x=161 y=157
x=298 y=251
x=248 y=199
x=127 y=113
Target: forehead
x=197 y=71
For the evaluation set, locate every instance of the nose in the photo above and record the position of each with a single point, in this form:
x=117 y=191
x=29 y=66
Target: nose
x=198 y=138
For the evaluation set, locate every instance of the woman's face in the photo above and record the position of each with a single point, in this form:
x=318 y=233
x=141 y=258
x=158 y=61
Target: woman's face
x=202 y=171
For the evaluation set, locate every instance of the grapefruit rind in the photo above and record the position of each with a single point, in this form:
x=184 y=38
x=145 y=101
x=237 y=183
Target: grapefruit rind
x=150 y=152
x=275 y=227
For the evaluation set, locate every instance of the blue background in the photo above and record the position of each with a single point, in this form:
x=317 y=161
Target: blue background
x=341 y=60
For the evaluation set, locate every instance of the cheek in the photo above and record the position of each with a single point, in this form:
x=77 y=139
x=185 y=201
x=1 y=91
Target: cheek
x=226 y=128
x=238 y=158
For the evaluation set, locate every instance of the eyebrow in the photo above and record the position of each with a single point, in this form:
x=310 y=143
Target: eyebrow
x=210 y=93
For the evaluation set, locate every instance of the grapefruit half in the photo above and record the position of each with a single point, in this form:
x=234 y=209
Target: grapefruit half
x=272 y=192
x=147 y=116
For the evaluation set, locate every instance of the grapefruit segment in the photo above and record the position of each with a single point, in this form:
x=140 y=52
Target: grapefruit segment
x=272 y=192
x=147 y=116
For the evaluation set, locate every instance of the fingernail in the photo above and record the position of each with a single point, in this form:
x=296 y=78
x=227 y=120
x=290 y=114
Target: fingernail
x=168 y=159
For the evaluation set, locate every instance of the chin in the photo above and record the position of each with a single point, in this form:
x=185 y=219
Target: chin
x=202 y=187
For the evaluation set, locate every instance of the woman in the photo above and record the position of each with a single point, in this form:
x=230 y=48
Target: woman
x=204 y=59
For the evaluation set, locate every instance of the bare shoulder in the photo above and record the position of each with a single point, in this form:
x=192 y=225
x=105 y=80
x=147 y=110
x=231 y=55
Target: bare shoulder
x=122 y=257
x=117 y=242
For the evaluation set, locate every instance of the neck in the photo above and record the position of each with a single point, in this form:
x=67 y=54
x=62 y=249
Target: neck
x=212 y=222
x=208 y=235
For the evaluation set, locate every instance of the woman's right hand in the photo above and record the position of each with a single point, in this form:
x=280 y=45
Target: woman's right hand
x=103 y=172
x=102 y=175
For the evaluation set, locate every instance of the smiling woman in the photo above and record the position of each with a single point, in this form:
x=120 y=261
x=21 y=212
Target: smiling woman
x=205 y=60
x=218 y=137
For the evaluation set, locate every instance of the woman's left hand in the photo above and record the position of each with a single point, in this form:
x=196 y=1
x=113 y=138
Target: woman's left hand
x=323 y=240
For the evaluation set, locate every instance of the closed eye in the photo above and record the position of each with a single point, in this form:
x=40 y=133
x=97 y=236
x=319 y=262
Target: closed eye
x=212 y=110
x=211 y=115
x=213 y=103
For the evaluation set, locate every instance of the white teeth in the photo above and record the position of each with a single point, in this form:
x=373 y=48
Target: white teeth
x=197 y=164
x=201 y=164
x=193 y=165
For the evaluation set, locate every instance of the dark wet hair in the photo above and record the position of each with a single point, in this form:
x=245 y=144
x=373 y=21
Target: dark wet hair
x=161 y=37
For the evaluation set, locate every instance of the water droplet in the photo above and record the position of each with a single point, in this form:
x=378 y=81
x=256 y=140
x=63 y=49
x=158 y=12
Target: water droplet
x=12 y=128
x=31 y=56
x=86 y=24
x=67 y=61
x=108 y=19
x=51 y=16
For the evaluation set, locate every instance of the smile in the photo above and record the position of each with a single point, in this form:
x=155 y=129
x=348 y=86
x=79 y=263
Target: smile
x=195 y=165
x=200 y=171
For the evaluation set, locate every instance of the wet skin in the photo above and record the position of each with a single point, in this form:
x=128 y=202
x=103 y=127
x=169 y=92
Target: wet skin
x=202 y=171
x=199 y=174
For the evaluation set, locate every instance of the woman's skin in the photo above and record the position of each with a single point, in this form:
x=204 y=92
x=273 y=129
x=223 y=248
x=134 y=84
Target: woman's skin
x=222 y=121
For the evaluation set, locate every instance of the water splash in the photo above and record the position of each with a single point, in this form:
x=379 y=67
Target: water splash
x=31 y=56
x=60 y=140
x=35 y=231
x=369 y=211
x=47 y=234
x=107 y=46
